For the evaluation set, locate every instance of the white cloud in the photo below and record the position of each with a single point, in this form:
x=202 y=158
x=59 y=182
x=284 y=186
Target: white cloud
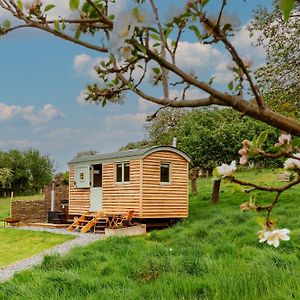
x=84 y=64
x=192 y=56
x=146 y=106
x=243 y=44
x=46 y=114
x=126 y=120
x=29 y=113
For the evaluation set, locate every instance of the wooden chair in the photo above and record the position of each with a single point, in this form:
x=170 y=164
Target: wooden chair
x=119 y=221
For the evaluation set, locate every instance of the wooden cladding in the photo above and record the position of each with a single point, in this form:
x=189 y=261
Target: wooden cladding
x=148 y=192
x=165 y=199
x=121 y=196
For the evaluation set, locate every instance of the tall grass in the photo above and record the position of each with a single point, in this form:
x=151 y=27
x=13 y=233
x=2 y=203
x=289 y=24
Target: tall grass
x=214 y=254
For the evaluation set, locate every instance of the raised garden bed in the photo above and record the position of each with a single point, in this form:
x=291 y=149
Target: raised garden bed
x=127 y=231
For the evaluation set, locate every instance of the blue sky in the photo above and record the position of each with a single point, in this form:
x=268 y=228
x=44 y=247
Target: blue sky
x=42 y=79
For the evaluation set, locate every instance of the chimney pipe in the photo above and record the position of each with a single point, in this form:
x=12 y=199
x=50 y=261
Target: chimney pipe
x=174 y=143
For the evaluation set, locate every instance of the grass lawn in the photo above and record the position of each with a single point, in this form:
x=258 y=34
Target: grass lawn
x=214 y=254
x=19 y=244
x=5 y=204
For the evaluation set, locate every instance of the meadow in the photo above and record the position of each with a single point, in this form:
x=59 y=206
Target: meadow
x=215 y=254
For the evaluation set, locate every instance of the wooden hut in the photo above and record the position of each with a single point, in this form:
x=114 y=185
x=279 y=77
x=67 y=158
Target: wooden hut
x=153 y=182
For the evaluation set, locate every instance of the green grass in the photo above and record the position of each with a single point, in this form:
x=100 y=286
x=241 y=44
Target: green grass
x=19 y=244
x=215 y=254
x=5 y=204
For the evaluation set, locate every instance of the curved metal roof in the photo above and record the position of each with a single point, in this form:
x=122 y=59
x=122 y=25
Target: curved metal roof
x=127 y=154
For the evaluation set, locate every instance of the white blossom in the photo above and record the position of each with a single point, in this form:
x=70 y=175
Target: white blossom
x=243 y=159
x=284 y=138
x=227 y=170
x=273 y=237
x=292 y=163
x=126 y=51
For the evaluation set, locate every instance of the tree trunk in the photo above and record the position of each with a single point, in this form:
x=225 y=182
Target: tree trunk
x=194 y=185
x=194 y=174
x=216 y=192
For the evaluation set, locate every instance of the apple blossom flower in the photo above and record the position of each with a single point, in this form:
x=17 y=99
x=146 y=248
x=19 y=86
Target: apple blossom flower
x=126 y=51
x=273 y=237
x=292 y=163
x=262 y=235
x=283 y=139
x=244 y=159
x=227 y=170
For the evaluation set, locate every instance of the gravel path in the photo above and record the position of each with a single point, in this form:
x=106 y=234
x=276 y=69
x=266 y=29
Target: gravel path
x=82 y=239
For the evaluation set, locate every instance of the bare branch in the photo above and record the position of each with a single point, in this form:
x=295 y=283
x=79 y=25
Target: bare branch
x=266 y=188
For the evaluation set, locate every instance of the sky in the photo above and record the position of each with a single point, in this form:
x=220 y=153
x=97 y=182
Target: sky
x=42 y=82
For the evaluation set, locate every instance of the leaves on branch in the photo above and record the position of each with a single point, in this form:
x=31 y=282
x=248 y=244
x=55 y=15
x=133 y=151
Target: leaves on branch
x=286 y=6
x=48 y=7
x=74 y=4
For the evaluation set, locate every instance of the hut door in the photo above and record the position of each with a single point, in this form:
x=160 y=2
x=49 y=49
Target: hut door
x=96 y=188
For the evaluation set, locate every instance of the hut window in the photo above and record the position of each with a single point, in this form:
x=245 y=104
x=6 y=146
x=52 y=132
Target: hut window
x=123 y=172
x=81 y=176
x=165 y=172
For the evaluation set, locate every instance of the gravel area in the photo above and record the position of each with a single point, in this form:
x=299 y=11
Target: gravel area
x=82 y=239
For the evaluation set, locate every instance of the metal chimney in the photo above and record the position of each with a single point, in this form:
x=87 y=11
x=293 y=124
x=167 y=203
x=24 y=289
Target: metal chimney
x=174 y=143
x=53 y=195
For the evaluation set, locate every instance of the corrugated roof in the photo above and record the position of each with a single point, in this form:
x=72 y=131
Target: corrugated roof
x=119 y=155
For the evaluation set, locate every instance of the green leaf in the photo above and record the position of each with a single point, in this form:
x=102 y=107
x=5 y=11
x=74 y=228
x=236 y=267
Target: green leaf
x=63 y=24
x=261 y=138
x=156 y=44
x=211 y=80
x=20 y=5
x=141 y=48
x=196 y=31
x=77 y=34
x=74 y=4
x=56 y=25
x=155 y=36
x=6 y=23
x=48 y=7
x=286 y=7
x=230 y=85
x=156 y=70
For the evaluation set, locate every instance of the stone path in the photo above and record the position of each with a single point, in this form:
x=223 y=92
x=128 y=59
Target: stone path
x=82 y=239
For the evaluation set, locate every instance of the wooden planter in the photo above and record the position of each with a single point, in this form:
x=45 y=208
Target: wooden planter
x=133 y=230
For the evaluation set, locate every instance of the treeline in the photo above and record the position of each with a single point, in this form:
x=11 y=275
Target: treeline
x=24 y=172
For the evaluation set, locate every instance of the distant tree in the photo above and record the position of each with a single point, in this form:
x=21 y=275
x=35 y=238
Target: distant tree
x=85 y=153
x=31 y=170
x=279 y=78
x=39 y=169
x=135 y=145
x=161 y=129
x=6 y=176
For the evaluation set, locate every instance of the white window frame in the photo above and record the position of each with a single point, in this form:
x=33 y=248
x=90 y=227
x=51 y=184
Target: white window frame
x=123 y=163
x=170 y=173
